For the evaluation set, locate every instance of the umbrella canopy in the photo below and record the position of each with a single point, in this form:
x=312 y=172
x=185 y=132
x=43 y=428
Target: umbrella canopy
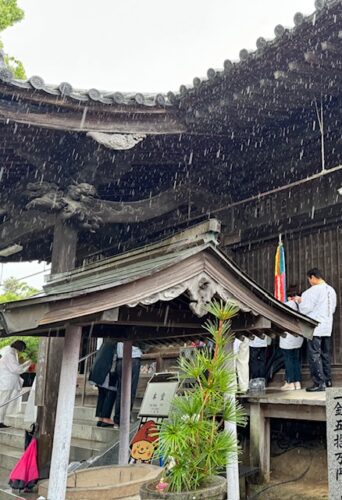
x=25 y=473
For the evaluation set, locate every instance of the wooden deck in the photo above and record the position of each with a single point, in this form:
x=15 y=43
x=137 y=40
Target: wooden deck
x=273 y=403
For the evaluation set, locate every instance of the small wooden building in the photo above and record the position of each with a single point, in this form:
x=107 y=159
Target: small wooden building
x=154 y=293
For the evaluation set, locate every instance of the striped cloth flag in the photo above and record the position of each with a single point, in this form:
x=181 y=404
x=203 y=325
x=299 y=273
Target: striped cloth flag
x=280 y=274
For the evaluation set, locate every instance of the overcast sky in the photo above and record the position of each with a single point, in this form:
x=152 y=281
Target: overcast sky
x=140 y=45
x=137 y=45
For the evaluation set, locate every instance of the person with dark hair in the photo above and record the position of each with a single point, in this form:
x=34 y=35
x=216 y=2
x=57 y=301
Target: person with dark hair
x=103 y=376
x=10 y=380
x=319 y=303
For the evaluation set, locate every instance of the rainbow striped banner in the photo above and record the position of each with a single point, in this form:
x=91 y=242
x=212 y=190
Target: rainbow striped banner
x=280 y=274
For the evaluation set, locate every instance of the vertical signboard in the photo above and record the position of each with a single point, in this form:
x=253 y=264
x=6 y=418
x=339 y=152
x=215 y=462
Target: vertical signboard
x=334 y=441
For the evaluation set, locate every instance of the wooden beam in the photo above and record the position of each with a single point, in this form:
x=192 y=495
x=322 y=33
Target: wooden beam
x=21 y=228
x=51 y=351
x=260 y=440
x=86 y=121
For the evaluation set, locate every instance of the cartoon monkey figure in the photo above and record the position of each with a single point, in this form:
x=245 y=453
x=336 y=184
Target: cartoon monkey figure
x=144 y=443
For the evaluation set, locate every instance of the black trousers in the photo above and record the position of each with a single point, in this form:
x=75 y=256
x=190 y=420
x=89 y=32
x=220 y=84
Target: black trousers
x=319 y=359
x=136 y=362
x=257 y=362
x=292 y=365
x=105 y=402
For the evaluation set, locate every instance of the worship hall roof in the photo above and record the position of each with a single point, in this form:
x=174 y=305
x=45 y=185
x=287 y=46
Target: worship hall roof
x=282 y=76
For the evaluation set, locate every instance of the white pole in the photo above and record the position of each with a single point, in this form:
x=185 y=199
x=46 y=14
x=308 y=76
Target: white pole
x=65 y=413
x=125 y=404
x=232 y=469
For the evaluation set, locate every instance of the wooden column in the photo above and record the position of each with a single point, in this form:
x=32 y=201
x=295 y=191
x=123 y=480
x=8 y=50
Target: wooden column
x=51 y=352
x=65 y=413
x=125 y=409
x=232 y=469
x=260 y=441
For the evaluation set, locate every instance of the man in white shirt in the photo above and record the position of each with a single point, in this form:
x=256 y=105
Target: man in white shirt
x=319 y=303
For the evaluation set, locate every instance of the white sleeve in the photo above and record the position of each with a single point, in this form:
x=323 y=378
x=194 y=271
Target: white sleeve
x=333 y=302
x=308 y=302
x=13 y=366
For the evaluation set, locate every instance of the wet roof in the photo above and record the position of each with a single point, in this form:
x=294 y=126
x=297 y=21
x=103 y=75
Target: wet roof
x=188 y=263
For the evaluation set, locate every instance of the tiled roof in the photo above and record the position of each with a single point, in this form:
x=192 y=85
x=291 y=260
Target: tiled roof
x=262 y=47
x=66 y=91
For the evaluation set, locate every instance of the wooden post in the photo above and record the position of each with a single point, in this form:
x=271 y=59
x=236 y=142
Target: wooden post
x=51 y=351
x=125 y=408
x=65 y=413
x=260 y=441
x=232 y=469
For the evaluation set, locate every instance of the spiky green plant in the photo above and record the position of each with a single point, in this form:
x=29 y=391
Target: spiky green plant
x=193 y=438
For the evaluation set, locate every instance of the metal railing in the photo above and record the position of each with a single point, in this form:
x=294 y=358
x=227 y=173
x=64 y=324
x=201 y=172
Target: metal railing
x=88 y=363
x=86 y=366
x=24 y=391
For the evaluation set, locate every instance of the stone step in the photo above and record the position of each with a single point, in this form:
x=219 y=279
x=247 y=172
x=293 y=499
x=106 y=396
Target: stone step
x=12 y=437
x=8 y=495
x=81 y=449
x=85 y=413
x=9 y=456
x=82 y=429
x=80 y=412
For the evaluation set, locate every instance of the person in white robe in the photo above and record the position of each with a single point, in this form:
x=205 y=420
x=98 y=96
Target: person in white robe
x=290 y=346
x=319 y=303
x=10 y=381
x=241 y=350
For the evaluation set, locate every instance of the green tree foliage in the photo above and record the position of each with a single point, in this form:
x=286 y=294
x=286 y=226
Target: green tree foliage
x=10 y=14
x=193 y=439
x=14 y=289
x=32 y=346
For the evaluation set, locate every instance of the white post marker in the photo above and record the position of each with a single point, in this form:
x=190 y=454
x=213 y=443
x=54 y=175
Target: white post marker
x=232 y=469
x=65 y=413
x=125 y=404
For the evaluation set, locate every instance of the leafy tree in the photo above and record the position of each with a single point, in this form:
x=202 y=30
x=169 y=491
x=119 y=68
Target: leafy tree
x=10 y=14
x=15 y=289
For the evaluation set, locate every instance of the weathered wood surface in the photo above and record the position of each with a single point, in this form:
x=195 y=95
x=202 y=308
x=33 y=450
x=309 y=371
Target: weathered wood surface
x=295 y=405
x=51 y=353
x=81 y=121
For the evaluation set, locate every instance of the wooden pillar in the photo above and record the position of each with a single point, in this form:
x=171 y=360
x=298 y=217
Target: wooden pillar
x=260 y=441
x=51 y=352
x=125 y=408
x=232 y=469
x=65 y=413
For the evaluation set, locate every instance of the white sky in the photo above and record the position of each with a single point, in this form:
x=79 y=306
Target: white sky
x=140 y=45
x=137 y=45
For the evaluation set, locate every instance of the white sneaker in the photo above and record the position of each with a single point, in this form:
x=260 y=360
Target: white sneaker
x=297 y=386
x=288 y=387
